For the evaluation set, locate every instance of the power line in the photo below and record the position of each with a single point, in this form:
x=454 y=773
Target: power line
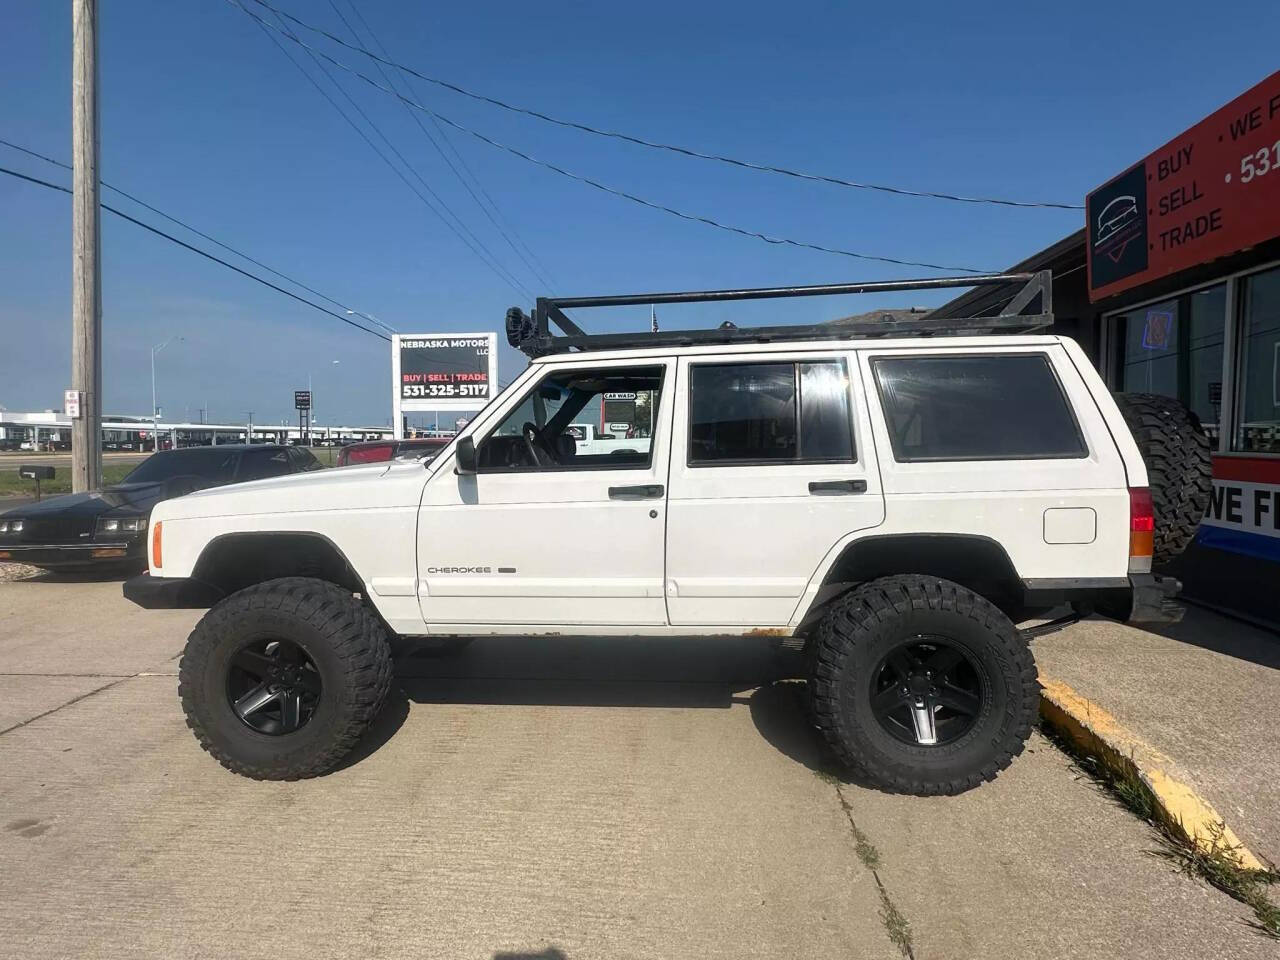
x=186 y=226
x=477 y=247
x=694 y=218
x=430 y=139
x=672 y=148
x=209 y=256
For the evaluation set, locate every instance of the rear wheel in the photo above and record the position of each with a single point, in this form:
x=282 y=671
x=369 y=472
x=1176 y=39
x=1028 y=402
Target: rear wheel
x=278 y=681
x=922 y=686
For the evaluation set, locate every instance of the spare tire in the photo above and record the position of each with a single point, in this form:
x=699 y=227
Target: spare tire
x=1175 y=449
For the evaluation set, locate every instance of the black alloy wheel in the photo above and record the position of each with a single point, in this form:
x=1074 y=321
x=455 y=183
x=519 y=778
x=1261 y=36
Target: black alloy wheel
x=928 y=691
x=273 y=686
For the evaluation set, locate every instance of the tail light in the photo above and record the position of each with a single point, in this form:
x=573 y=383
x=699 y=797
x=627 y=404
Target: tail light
x=157 y=559
x=370 y=454
x=1142 y=526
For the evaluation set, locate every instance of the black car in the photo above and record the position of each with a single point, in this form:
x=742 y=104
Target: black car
x=87 y=530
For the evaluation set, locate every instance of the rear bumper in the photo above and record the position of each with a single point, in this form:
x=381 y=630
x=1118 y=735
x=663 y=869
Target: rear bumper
x=170 y=593
x=54 y=555
x=1155 y=599
x=1137 y=598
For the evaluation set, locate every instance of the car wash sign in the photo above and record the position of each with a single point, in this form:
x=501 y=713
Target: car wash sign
x=436 y=371
x=1212 y=191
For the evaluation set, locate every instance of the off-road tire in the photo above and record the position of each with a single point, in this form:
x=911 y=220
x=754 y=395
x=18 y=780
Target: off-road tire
x=857 y=632
x=1175 y=449
x=345 y=641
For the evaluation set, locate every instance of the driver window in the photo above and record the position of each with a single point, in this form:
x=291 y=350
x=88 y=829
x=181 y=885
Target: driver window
x=595 y=418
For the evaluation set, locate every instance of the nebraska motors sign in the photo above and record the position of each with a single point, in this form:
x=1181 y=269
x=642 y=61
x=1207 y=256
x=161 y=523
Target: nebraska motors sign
x=1210 y=192
x=442 y=371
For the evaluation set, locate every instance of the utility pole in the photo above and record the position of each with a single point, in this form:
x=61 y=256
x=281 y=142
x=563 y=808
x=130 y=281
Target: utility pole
x=86 y=274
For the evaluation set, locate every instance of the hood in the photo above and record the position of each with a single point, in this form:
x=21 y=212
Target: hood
x=123 y=498
x=365 y=486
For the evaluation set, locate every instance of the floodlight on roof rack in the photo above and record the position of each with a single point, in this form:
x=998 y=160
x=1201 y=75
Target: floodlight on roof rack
x=1029 y=308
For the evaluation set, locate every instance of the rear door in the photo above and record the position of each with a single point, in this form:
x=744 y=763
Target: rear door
x=773 y=464
x=1003 y=442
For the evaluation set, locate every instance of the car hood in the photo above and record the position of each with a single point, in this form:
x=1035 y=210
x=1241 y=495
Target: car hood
x=383 y=484
x=131 y=498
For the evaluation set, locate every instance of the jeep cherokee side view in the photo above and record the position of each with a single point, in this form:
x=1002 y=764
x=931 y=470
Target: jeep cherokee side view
x=896 y=502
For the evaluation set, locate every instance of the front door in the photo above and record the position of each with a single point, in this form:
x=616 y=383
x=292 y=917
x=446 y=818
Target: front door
x=546 y=535
x=775 y=465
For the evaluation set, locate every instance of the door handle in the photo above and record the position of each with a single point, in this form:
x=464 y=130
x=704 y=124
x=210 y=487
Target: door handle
x=821 y=487
x=643 y=491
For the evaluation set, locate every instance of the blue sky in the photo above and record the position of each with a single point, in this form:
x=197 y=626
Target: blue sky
x=203 y=117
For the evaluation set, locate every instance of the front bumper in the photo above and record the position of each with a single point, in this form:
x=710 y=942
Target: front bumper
x=51 y=556
x=171 y=593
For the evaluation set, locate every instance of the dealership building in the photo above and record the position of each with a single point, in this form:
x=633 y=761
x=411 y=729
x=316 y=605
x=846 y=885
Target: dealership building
x=1173 y=288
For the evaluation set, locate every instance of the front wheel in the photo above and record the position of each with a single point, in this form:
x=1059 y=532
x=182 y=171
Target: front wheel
x=279 y=680
x=922 y=686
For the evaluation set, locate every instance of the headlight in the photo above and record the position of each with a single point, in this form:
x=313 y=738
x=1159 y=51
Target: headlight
x=122 y=525
x=10 y=526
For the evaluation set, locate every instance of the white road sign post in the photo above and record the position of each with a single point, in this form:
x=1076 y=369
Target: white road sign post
x=441 y=371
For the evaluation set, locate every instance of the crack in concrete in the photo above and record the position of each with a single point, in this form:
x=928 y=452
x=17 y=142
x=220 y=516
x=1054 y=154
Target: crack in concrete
x=78 y=676
x=71 y=702
x=895 y=924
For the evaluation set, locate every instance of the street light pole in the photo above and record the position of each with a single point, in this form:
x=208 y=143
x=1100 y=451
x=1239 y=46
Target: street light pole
x=311 y=411
x=155 y=410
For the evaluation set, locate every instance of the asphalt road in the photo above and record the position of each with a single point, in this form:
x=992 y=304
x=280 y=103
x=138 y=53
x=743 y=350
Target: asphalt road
x=535 y=798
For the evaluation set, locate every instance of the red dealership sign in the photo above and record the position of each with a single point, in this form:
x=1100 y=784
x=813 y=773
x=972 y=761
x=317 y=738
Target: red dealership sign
x=1210 y=192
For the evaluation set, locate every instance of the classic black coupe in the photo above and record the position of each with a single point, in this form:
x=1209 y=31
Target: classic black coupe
x=108 y=528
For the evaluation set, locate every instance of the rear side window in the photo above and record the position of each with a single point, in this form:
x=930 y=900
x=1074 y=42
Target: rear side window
x=995 y=407
x=261 y=464
x=788 y=412
x=304 y=460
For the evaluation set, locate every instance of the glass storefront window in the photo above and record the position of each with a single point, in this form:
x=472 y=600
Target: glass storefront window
x=1150 y=361
x=1208 y=313
x=1174 y=348
x=1258 y=430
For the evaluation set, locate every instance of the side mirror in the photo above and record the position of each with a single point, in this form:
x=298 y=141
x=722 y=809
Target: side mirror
x=465 y=456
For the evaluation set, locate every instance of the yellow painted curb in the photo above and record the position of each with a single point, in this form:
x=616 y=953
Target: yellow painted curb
x=1099 y=734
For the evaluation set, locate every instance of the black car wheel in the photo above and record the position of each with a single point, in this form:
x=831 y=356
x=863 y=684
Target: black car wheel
x=273 y=686
x=928 y=690
x=279 y=680
x=922 y=686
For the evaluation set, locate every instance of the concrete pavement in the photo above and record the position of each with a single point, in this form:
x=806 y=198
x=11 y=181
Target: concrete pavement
x=1201 y=691
x=559 y=797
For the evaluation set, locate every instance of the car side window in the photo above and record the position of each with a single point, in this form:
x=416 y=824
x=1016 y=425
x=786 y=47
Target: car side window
x=546 y=429
x=770 y=412
x=303 y=459
x=260 y=464
x=987 y=407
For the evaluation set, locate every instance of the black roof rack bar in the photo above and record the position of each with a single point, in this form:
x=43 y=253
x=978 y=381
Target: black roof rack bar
x=533 y=334
x=769 y=293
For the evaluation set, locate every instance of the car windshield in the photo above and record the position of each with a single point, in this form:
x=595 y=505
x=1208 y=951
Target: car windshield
x=207 y=462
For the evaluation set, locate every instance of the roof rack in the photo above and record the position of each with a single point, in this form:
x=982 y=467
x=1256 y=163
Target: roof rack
x=1031 y=308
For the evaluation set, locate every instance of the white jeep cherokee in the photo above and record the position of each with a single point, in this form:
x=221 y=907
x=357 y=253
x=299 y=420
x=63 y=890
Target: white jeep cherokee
x=895 y=503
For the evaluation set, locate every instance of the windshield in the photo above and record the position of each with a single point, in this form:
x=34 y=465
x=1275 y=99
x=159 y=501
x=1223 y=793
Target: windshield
x=210 y=463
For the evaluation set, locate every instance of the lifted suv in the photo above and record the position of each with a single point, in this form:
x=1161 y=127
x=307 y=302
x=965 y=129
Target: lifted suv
x=893 y=496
